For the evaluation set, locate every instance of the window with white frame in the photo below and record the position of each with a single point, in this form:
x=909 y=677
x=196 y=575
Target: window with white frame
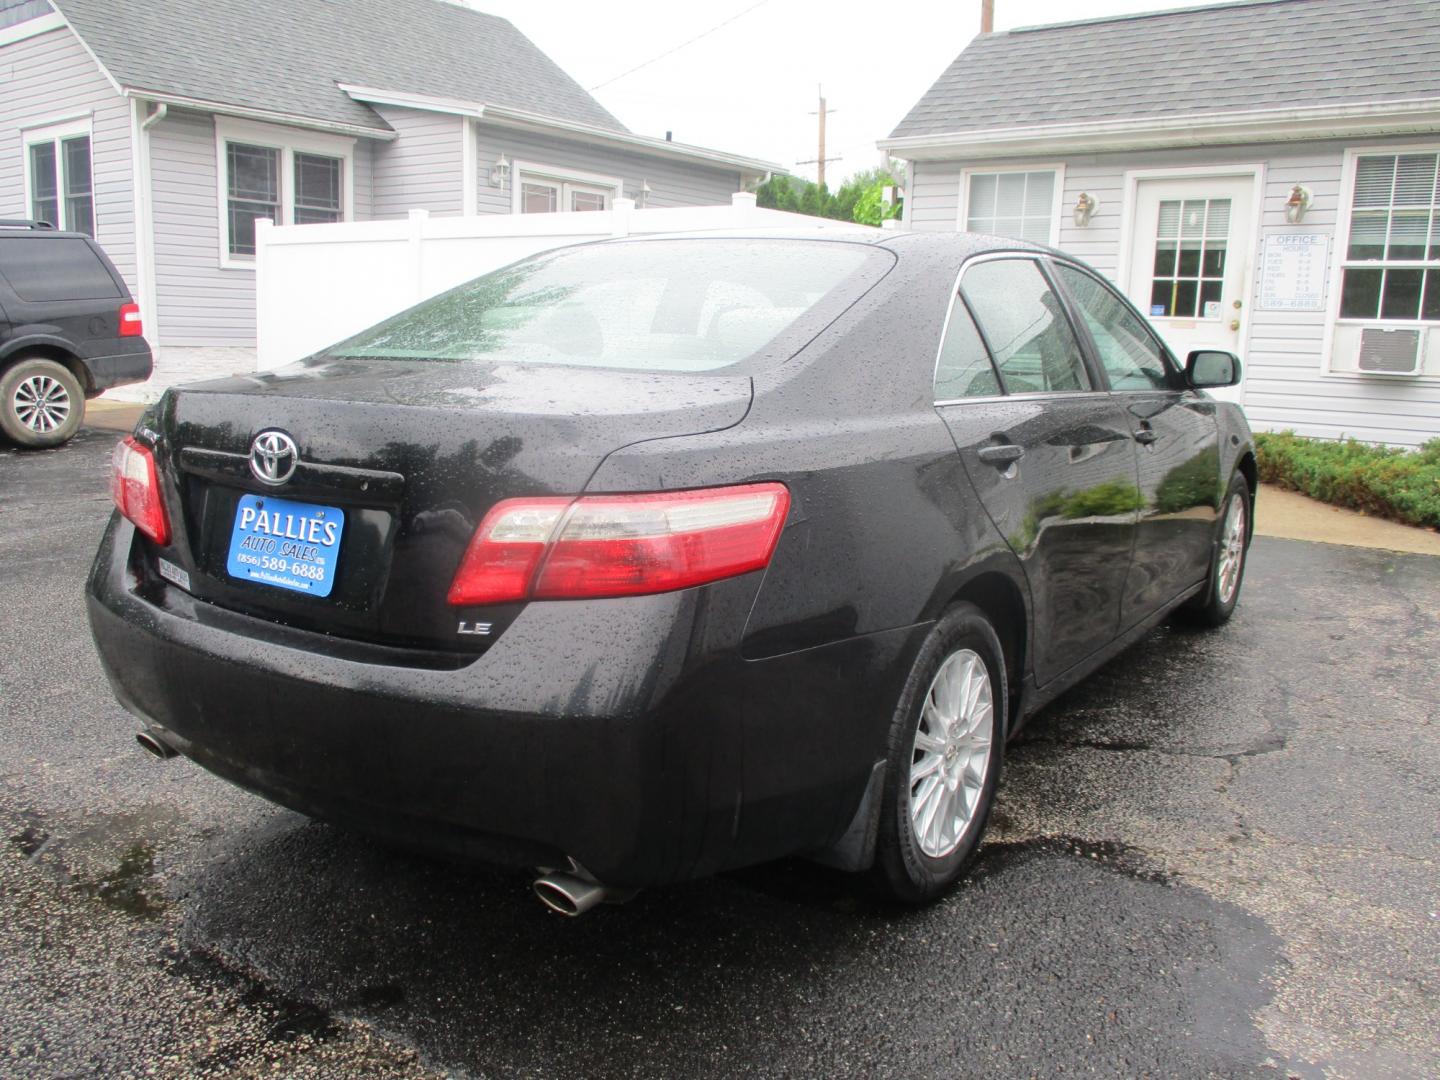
x=291 y=177
x=1015 y=204
x=58 y=178
x=540 y=190
x=1391 y=267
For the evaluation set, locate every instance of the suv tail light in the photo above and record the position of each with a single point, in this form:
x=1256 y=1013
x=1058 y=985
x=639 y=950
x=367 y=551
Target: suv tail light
x=135 y=487
x=619 y=545
x=130 y=325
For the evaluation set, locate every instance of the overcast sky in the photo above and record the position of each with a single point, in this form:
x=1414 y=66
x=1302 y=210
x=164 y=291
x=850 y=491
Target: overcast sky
x=750 y=86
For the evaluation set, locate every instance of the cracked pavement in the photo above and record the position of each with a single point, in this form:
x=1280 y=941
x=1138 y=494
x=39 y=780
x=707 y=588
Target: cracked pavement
x=1216 y=857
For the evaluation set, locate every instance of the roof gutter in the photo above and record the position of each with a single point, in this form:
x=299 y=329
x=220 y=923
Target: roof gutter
x=519 y=118
x=1270 y=125
x=266 y=115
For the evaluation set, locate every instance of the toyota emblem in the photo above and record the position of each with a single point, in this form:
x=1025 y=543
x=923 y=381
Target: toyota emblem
x=273 y=457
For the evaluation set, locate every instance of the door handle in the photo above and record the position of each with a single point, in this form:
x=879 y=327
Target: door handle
x=1146 y=435
x=1001 y=456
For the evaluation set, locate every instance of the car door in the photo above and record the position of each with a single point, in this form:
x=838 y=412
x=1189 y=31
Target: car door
x=1048 y=451
x=1178 y=457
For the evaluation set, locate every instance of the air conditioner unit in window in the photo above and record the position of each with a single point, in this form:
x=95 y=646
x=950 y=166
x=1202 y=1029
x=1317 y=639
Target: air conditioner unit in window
x=1390 y=352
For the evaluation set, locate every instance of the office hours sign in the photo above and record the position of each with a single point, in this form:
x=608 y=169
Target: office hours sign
x=1293 y=269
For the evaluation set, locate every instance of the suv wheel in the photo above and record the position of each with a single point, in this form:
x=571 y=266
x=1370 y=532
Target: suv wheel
x=41 y=403
x=945 y=744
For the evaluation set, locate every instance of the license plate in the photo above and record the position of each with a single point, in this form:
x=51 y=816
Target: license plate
x=290 y=545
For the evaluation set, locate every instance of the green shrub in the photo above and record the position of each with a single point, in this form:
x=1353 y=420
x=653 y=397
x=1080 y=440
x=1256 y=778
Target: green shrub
x=1384 y=481
x=1191 y=483
x=1104 y=500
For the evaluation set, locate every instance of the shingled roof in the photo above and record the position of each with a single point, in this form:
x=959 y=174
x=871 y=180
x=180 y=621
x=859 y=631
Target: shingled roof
x=288 y=58
x=1253 y=56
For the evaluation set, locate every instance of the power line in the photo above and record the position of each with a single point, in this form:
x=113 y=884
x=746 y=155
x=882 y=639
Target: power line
x=683 y=44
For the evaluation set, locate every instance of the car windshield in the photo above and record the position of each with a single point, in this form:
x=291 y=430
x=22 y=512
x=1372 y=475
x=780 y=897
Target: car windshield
x=669 y=305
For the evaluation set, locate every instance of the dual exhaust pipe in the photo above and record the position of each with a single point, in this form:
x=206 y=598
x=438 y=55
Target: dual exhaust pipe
x=567 y=894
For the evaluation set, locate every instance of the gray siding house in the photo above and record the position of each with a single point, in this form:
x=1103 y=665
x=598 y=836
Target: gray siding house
x=1257 y=176
x=166 y=129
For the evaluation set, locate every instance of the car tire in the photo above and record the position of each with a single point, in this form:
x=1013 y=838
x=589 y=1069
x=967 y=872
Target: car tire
x=1216 y=604
x=42 y=403
x=926 y=834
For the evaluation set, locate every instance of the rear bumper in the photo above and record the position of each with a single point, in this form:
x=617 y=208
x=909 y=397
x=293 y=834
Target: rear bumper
x=120 y=369
x=627 y=734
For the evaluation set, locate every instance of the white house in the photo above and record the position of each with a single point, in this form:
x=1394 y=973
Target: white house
x=1258 y=176
x=167 y=128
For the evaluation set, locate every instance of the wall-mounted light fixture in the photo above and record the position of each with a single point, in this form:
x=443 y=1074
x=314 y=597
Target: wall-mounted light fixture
x=499 y=172
x=1297 y=204
x=643 y=195
x=1085 y=208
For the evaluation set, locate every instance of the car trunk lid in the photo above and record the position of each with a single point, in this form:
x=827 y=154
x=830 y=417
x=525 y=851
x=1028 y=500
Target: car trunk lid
x=409 y=456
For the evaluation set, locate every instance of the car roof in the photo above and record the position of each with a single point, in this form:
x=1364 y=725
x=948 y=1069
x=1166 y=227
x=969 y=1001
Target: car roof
x=949 y=244
x=14 y=228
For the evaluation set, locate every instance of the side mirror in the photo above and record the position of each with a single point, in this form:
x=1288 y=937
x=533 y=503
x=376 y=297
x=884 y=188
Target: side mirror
x=1206 y=368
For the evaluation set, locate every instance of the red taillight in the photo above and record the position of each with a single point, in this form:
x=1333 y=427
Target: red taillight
x=130 y=325
x=135 y=487
x=619 y=545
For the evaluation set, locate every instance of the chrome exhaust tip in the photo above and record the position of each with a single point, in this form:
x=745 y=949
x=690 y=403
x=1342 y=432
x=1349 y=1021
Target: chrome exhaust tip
x=153 y=743
x=568 y=895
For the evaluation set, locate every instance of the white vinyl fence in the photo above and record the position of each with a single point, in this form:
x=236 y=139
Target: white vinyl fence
x=317 y=284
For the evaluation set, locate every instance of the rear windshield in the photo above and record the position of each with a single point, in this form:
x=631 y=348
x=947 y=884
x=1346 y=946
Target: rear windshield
x=670 y=305
x=43 y=268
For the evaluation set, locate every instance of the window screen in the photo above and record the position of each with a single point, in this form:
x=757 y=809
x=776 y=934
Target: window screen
x=253 y=185
x=318 y=193
x=1392 y=255
x=1018 y=204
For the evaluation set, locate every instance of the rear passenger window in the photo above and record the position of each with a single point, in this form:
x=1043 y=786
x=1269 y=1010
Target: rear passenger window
x=41 y=268
x=1027 y=331
x=964 y=369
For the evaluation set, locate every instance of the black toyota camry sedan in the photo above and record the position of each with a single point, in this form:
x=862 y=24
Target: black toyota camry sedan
x=645 y=559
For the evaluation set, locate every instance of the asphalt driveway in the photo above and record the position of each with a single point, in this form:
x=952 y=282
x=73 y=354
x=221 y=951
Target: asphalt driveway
x=1217 y=857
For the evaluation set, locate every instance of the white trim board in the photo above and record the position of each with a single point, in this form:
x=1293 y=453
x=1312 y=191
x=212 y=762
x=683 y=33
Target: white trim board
x=263 y=116
x=1099 y=136
x=469 y=169
x=520 y=118
x=41 y=24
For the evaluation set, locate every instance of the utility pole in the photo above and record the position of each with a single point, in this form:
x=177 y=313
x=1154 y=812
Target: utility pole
x=820 y=159
x=987 y=16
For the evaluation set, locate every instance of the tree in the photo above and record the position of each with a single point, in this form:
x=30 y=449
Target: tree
x=859 y=198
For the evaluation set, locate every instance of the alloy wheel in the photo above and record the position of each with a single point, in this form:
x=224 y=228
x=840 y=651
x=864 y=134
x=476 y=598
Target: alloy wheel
x=951 y=753
x=41 y=404
x=1232 y=550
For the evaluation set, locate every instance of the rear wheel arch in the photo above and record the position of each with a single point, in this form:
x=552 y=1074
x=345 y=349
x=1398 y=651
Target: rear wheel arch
x=49 y=351
x=1002 y=602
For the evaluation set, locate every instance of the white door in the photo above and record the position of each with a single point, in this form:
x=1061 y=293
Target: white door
x=1191 y=261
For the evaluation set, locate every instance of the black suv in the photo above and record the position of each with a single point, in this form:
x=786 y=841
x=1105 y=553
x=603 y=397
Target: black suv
x=68 y=330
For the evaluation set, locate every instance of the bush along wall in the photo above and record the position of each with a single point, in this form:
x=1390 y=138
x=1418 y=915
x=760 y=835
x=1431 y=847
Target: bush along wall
x=1403 y=485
